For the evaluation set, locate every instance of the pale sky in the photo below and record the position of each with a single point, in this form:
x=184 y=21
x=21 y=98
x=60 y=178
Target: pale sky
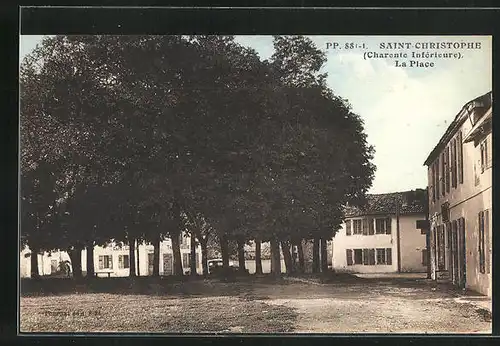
x=405 y=110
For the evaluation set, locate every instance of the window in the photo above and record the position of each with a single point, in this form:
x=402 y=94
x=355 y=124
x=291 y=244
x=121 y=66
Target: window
x=443 y=174
x=454 y=163
x=484 y=156
x=348 y=254
x=460 y=164
x=436 y=177
x=425 y=257
x=368 y=256
x=381 y=226
x=447 y=170
x=365 y=226
x=431 y=182
x=123 y=261
x=484 y=242
x=365 y=256
x=348 y=230
x=384 y=256
x=371 y=257
x=371 y=229
x=358 y=256
x=357 y=227
x=388 y=254
x=381 y=256
x=105 y=262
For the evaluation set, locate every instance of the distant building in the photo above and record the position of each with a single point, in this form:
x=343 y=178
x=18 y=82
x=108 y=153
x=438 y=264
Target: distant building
x=115 y=260
x=460 y=208
x=383 y=236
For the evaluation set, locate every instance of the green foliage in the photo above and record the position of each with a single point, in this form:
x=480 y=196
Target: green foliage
x=140 y=136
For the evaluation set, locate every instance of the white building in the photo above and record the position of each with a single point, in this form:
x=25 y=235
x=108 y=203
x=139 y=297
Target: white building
x=115 y=260
x=383 y=237
x=460 y=175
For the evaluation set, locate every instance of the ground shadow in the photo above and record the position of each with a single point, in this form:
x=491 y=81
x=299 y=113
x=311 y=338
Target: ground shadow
x=175 y=287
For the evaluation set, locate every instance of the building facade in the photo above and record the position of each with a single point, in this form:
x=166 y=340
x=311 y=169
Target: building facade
x=383 y=237
x=115 y=259
x=460 y=205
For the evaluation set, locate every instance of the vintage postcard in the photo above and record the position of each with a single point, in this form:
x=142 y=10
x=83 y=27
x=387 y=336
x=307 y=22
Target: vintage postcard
x=207 y=184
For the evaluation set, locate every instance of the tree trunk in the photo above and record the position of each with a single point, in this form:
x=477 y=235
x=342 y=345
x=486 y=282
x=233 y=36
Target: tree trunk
x=35 y=274
x=176 y=248
x=192 y=262
x=300 y=253
x=156 y=256
x=258 y=258
x=241 y=255
x=90 y=260
x=316 y=264
x=224 y=249
x=204 y=255
x=287 y=256
x=138 y=259
x=324 y=255
x=275 y=257
x=131 y=254
x=76 y=261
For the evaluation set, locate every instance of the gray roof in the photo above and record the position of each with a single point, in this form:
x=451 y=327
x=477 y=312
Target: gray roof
x=411 y=202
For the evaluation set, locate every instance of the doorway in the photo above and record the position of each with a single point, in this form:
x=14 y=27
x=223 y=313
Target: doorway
x=461 y=254
x=454 y=254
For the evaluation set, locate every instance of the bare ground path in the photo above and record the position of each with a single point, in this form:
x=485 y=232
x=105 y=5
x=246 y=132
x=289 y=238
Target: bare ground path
x=251 y=306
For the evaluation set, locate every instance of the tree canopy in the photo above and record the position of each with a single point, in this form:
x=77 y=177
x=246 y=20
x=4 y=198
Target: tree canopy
x=122 y=135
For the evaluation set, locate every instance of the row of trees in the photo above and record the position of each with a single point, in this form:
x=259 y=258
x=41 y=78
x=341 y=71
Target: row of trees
x=140 y=138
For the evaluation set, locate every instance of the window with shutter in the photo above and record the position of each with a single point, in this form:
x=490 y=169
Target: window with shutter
x=481 y=243
x=443 y=174
x=371 y=229
x=126 y=261
x=388 y=225
x=388 y=253
x=365 y=257
x=107 y=262
x=371 y=257
x=197 y=260
x=348 y=254
x=454 y=163
x=448 y=169
x=431 y=183
x=348 y=227
x=358 y=256
x=460 y=169
x=357 y=227
x=436 y=177
x=365 y=226
x=120 y=262
x=381 y=226
x=381 y=256
x=484 y=155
